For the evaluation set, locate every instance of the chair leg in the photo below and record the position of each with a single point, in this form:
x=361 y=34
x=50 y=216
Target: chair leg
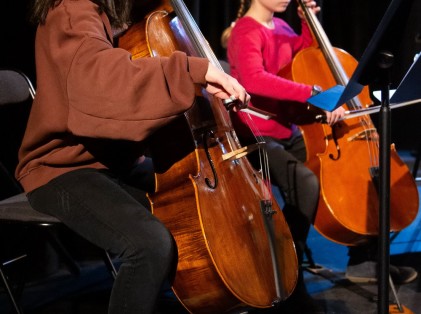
x=9 y=292
x=417 y=162
x=309 y=256
x=310 y=265
x=109 y=263
x=62 y=251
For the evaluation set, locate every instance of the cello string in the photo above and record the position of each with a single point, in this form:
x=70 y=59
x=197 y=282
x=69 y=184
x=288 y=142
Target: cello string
x=341 y=77
x=263 y=157
x=369 y=134
x=202 y=45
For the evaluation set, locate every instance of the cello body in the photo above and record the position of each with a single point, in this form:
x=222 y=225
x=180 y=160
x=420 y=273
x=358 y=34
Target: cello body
x=234 y=246
x=345 y=156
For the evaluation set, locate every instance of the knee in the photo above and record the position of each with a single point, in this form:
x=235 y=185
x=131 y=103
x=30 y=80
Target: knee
x=310 y=182
x=308 y=191
x=164 y=245
x=155 y=244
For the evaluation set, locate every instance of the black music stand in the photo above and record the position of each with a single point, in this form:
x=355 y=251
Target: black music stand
x=372 y=64
x=374 y=67
x=409 y=88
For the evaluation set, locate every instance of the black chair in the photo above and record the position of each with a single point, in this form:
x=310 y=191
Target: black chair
x=15 y=210
x=415 y=168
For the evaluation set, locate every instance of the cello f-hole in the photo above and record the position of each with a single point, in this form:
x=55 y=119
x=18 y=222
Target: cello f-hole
x=213 y=275
x=338 y=148
x=350 y=149
x=206 y=136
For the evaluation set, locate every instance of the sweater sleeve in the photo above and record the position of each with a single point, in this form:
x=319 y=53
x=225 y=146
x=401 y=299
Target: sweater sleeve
x=112 y=96
x=251 y=58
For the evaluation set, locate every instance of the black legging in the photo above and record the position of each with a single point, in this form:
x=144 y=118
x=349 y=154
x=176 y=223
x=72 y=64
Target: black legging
x=298 y=184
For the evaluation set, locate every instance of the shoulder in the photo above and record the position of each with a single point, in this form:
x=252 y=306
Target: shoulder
x=74 y=29
x=246 y=24
x=72 y=7
x=279 y=21
x=77 y=16
x=246 y=27
x=281 y=25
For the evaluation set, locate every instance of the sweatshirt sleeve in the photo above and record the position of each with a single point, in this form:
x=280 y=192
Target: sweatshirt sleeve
x=112 y=96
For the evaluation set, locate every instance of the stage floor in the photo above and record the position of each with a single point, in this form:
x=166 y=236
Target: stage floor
x=63 y=293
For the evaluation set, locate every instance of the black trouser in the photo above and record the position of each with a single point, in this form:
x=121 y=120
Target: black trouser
x=298 y=184
x=114 y=216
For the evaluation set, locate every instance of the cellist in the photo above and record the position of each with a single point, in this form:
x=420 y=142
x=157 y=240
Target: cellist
x=258 y=46
x=80 y=159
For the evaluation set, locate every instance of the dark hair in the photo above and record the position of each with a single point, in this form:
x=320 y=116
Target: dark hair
x=244 y=6
x=118 y=11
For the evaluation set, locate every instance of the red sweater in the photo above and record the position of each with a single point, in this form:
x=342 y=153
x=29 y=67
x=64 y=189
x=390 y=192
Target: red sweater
x=95 y=105
x=256 y=54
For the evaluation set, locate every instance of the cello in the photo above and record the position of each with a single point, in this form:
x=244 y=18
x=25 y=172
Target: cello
x=235 y=249
x=345 y=156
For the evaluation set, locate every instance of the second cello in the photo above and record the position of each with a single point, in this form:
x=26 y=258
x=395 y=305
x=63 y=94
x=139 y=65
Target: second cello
x=345 y=157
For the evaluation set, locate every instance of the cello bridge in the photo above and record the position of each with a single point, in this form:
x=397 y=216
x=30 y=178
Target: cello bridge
x=364 y=135
x=241 y=152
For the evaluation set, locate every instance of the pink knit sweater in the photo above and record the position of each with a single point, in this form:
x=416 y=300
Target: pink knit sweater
x=256 y=54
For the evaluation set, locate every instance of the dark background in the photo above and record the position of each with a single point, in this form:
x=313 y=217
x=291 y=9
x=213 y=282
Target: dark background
x=348 y=24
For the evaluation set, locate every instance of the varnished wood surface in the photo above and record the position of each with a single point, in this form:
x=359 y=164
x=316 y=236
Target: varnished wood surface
x=343 y=155
x=224 y=248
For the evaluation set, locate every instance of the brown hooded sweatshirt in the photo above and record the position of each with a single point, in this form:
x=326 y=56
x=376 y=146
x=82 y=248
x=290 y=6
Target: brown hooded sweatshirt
x=95 y=105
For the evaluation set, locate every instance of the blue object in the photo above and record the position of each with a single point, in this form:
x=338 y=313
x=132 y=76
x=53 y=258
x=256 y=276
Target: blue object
x=328 y=99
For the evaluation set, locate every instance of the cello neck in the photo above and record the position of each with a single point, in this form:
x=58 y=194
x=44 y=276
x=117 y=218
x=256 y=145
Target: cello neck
x=196 y=37
x=324 y=45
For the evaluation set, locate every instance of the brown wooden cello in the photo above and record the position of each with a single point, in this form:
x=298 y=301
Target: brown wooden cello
x=234 y=246
x=346 y=156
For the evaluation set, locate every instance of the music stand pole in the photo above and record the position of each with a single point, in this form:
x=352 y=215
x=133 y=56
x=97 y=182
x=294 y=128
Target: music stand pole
x=384 y=63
